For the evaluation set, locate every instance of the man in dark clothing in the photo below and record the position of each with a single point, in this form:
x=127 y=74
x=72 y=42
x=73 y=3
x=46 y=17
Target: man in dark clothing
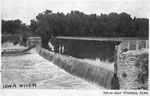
x=115 y=82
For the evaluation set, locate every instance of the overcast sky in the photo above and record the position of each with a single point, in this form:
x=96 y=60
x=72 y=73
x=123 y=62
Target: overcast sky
x=26 y=10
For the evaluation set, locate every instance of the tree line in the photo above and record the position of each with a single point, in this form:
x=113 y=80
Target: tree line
x=13 y=26
x=76 y=23
x=12 y=30
x=48 y=24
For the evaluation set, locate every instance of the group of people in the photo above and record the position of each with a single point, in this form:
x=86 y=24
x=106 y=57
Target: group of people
x=60 y=49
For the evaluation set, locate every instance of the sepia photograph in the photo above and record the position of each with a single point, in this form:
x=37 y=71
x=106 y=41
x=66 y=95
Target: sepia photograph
x=75 y=45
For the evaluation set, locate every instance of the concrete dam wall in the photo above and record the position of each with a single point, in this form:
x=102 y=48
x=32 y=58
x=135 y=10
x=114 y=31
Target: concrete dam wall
x=79 y=68
x=132 y=64
x=133 y=70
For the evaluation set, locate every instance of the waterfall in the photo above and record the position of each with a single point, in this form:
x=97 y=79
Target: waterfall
x=79 y=68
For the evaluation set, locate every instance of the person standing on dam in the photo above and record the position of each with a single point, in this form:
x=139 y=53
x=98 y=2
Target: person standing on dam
x=61 y=49
x=51 y=46
x=115 y=82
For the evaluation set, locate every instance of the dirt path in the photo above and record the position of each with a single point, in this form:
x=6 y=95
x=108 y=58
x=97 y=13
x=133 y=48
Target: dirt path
x=31 y=69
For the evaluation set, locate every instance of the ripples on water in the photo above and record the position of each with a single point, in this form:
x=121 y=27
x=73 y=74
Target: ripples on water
x=32 y=68
x=96 y=73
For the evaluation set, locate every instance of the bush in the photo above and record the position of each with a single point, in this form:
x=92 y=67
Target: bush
x=11 y=38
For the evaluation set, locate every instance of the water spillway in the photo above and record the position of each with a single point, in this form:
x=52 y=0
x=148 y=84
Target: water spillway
x=78 y=67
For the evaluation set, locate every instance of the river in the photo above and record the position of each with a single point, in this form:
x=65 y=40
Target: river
x=30 y=68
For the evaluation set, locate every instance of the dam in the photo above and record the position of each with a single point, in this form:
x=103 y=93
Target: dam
x=97 y=65
x=102 y=76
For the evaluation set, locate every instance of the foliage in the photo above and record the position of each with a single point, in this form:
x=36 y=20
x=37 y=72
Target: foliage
x=79 y=24
x=12 y=29
x=11 y=38
x=13 y=26
x=76 y=23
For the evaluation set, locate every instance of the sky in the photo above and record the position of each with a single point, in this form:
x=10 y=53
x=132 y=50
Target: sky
x=25 y=10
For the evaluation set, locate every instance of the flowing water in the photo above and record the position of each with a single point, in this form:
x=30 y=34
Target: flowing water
x=30 y=68
x=97 y=73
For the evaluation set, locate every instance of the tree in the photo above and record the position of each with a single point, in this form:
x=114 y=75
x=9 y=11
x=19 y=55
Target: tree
x=76 y=23
x=43 y=26
x=14 y=29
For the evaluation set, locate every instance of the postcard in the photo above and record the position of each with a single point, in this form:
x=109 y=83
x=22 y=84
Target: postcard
x=75 y=47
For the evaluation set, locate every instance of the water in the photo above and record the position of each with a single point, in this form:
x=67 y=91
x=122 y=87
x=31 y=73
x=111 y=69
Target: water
x=80 y=68
x=30 y=68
